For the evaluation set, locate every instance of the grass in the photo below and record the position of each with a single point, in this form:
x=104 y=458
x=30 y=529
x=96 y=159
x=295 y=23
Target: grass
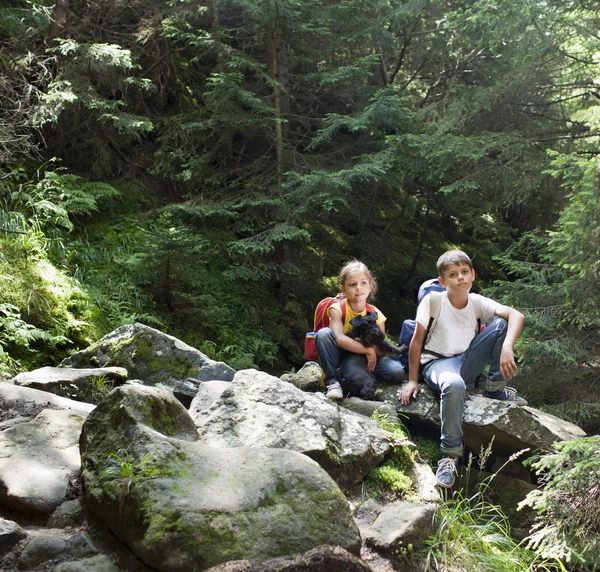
x=473 y=535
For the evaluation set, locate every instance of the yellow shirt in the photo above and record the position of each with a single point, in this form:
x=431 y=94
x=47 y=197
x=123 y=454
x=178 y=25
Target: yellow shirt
x=350 y=314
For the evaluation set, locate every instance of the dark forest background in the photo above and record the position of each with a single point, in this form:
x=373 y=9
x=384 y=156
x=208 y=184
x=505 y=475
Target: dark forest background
x=206 y=167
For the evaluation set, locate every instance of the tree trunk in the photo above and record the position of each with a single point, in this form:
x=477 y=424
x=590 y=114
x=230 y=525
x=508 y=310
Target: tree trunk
x=277 y=98
x=58 y=23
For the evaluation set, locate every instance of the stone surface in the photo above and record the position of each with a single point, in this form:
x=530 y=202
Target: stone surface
x=36 y=459
x=151 y=356
x=512 y=427
x=320 y=559
x=181 y=504
x=395 y=526
x=99 y=563
x=259 y=410
x=308 y=378
x=78 y=384
x=10 y=535
x=40 y=549
x=24 y=403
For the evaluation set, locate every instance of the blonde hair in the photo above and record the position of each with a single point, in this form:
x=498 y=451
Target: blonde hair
x=353 y=266
x=452 y=257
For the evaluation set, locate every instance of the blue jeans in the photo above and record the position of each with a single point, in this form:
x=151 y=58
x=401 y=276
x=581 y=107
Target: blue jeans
x=448 y=376
x=331 y=357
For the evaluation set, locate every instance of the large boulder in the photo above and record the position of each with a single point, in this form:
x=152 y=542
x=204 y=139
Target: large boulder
x=89 y=384
x=512 y=427
x=151 y=356
x=36 y=459
x=180 y=504
x=259 y=410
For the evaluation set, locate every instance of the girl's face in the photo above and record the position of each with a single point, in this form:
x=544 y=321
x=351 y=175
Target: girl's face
x=357 y=287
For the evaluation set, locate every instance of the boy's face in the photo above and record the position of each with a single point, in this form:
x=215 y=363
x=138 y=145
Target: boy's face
x=458 y=278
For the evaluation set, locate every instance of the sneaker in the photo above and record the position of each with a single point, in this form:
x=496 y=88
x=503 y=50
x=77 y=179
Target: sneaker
x=334 y=391
x=506 y=394
x=446 y=472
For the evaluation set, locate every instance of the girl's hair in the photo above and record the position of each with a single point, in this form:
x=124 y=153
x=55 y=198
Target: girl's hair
x=357 y=266
x=452 y=257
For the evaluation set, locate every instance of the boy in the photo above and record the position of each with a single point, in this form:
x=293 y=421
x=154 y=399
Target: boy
x=456 y=354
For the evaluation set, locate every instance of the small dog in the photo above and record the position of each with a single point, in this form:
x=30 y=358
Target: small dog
x=357 y=382
x=370 y=334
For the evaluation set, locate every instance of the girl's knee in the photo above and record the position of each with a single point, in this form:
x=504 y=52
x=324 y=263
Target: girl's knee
x=325 y=333
x=392 y=372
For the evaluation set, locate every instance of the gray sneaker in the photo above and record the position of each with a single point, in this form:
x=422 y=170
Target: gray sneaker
x=508 y=394
x=446 y=472
x=334 y=391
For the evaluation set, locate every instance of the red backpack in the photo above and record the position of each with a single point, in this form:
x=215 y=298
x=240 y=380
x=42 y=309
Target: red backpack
x=322 y=321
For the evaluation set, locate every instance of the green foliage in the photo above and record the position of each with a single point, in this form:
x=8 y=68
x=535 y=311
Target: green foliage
x=568 y=503
x=392 y=478
x=474 y=534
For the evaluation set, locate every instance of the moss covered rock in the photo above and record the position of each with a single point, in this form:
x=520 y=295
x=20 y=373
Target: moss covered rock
x=151 y=356
x=182 y=505
x=259 y=410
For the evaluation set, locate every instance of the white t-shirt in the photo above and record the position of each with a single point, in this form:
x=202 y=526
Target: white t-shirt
x=455 y=328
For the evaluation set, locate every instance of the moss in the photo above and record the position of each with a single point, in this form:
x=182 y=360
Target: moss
x=177 y=367
x=333 y=451
x=160 y=415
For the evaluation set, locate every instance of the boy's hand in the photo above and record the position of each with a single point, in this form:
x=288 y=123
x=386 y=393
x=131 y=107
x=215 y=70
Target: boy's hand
x=411 y=389
x=371 y=358
x=508 y=366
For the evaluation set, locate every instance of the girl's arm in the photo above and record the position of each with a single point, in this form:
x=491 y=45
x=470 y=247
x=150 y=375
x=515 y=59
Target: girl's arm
x=346 y=343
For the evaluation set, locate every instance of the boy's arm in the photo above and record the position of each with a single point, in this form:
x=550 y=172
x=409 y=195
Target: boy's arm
x=346 y=343
x=508 y=366
x=411 y=389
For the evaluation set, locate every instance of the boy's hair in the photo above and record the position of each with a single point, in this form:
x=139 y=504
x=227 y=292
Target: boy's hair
x=357 y=266
x=452 y=257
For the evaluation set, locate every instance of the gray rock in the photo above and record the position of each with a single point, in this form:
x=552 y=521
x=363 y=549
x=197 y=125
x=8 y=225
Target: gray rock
x=150 y=355
x=181 y=505
x=99 y=563
x=512 y=427
x=89 y=385
x=70 y=513
x=368 y=408
x=320 y=559
x=18 y=402
x=307 y=378
x=259 y=410
x=391 y=528
x=36 y=460
x=10 y=535
x=41 y=549
x=82 y=545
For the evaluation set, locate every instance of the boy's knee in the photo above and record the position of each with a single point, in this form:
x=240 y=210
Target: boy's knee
x=498 y=323
x=452 y=383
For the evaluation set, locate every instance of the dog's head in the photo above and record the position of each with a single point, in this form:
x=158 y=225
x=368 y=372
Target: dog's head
x=366 y=328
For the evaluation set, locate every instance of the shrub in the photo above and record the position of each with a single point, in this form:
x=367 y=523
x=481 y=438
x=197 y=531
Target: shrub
x=568 y=503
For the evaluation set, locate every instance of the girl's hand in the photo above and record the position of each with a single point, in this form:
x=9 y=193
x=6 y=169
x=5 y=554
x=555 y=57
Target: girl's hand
x=371 y=358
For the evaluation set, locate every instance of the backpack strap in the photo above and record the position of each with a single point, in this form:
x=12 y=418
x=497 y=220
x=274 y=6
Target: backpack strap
x=476 y=301
x=435 y=308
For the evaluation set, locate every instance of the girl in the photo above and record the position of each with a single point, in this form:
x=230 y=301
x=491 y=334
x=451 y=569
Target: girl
x=358 y=363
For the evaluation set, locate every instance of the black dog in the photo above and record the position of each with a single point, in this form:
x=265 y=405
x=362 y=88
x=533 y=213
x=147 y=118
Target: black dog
x=356 y=380
x=370 y=334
